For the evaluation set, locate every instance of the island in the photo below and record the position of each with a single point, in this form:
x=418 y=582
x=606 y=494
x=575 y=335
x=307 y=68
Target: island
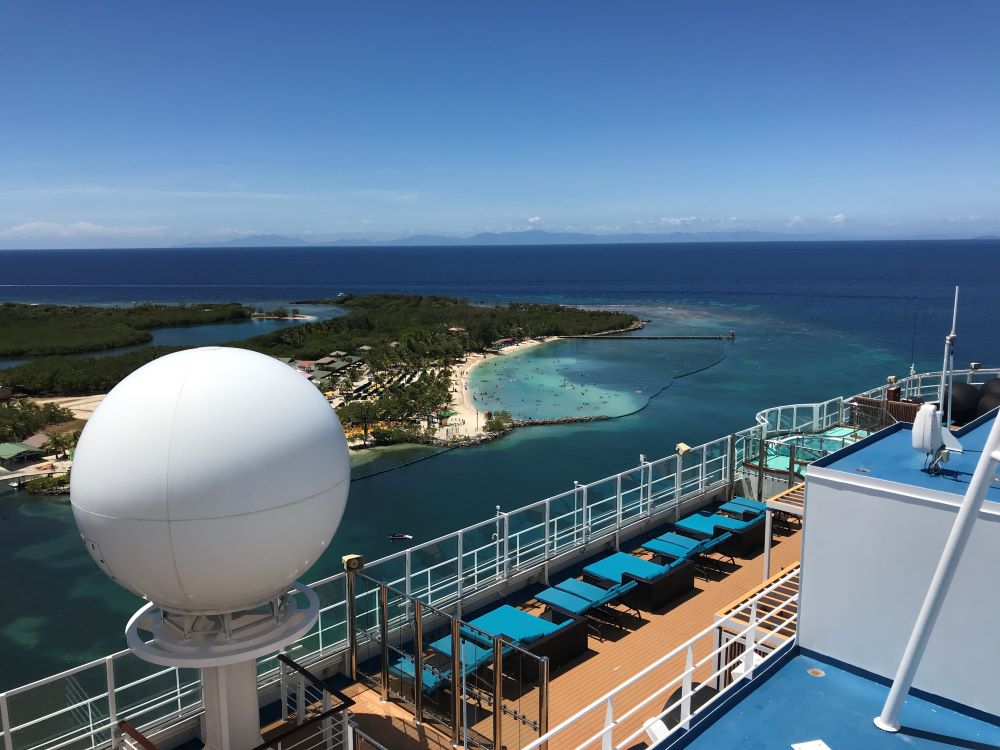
x=395 y=367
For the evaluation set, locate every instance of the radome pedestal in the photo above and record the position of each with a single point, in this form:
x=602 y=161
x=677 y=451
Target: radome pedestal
x=225 y=648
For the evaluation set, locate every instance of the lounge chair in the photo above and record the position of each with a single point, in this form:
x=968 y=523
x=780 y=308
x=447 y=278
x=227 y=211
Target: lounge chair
x=573 y=598
x=746 y=536
x=678 y=547
x=756 y=505
x=657 y=584
x=560 y=641
x=739 y=510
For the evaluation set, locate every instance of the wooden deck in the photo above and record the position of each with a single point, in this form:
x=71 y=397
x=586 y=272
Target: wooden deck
x=607 y=663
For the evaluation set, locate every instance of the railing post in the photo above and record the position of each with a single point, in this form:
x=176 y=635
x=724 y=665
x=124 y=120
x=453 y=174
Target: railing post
x=678 y=484
x=327 y=722
x=731 y=466
x=408 y=570
x=548 y=548
x=618 y=513
x=543 y=700
x=300 y=700
x=576 y=513
x=348 y=732
x=352 y=632
x=686 y=688
x=456 y=683
x=703 y=475
x=461 y=570
x=750 y=648
x=418 y=662
x=497 y=692
x=586 y=517
x=761 y=463
x=506 y=546
x=767 y=543
x=497 y=546
x=109 y=670
x=791 y=465
x=8 y=742
x=607 y=737
x=383 y=627
x=642 y=478
x=649 y=490
x=283 y=689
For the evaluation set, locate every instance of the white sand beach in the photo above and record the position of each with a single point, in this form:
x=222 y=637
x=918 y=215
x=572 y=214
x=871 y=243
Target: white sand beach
x=468 y=421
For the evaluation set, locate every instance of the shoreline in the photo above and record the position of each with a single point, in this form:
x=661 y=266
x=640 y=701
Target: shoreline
x=468 y=423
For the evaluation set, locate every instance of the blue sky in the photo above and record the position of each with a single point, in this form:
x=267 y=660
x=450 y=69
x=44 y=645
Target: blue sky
x=150 y=123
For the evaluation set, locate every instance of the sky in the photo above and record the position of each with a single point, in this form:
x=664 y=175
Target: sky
x=141 y=123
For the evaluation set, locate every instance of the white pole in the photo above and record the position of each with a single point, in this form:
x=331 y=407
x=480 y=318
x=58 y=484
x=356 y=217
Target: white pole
x=948 y=363
x=888 y=720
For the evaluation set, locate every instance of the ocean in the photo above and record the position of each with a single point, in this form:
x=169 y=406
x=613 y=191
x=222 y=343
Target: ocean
x=812 y=321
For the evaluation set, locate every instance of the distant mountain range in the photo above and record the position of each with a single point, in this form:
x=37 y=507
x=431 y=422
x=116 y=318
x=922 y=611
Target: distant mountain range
x=254 y=240
x=529 y=237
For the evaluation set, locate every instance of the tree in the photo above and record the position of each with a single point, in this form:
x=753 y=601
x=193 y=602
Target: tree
x=56 y=445
x=499 y=421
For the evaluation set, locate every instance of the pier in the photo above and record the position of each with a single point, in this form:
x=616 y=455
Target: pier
x=731 y=336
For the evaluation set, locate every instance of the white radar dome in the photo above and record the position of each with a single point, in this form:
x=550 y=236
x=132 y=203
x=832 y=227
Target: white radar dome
x=209 y=480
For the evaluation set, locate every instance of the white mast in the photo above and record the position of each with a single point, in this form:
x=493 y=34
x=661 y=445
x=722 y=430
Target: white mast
x=948 y=364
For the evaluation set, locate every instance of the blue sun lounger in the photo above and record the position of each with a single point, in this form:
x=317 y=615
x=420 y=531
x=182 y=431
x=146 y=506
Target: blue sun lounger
x=560 y=641
x=678 y=547
x=576 y=597
x=656 y=584
x=756 y=505
x=746 y=536
x=403 y=667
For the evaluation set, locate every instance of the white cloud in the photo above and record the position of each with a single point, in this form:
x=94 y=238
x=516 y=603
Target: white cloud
x=679 y=221
x=535 y=221
x=837 y=218
x=78 y=229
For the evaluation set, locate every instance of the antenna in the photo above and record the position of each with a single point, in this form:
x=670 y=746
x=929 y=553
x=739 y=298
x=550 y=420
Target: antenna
x=948 y=364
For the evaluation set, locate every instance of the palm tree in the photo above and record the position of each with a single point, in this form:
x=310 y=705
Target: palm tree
x=56 y=444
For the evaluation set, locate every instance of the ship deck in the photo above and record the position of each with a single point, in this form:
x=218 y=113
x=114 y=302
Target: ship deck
x=607 y=663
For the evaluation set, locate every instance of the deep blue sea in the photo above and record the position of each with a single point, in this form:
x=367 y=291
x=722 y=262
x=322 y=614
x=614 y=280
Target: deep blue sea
x=813 y=320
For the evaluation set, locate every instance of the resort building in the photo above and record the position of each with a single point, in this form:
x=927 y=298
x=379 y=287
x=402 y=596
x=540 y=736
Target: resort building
x=18 y=455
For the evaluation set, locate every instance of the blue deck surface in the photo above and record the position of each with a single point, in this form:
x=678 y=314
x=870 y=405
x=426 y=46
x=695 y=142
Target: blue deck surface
x=792 y=706
x=892 y=458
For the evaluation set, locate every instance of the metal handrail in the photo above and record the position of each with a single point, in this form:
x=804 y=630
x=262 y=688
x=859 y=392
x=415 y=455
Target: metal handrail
x=607 y=700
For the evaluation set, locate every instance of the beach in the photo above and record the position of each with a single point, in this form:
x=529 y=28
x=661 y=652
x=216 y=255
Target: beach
x=468 y=422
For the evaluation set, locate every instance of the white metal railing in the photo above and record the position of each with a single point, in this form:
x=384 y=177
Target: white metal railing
x=618 y=718
x=47 y=715
x=926 y=385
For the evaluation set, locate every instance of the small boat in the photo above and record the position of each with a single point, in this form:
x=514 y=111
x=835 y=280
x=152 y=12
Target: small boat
x=398 y=537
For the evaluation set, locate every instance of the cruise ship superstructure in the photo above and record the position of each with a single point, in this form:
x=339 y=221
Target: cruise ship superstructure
x=754 y=591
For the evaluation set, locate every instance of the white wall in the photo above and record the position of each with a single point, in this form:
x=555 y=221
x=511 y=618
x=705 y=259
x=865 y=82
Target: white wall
x=869 y=551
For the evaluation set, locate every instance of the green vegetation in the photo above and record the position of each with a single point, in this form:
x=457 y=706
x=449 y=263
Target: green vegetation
x=61 y=444
x=397 y=408
x=404 y=333
x=48 y=485
x=38 y=330
x=498 y=422
x=73 y=376
x=20 y=418
x=419 y=326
